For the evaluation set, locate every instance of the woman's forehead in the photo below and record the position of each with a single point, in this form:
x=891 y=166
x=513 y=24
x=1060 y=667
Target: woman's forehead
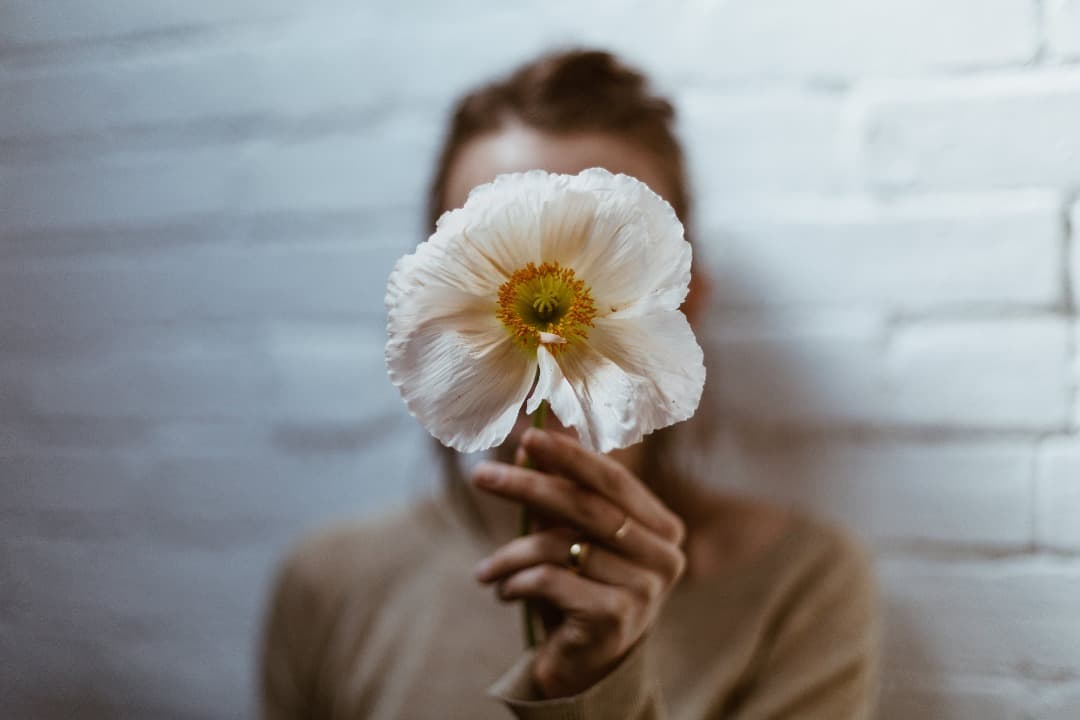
x=517 y=148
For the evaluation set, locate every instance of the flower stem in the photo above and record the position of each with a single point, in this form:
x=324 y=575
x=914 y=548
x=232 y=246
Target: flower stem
x=538 y=419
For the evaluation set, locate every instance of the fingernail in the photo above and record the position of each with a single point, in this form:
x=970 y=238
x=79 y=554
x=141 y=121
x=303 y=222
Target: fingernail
x=520 y=455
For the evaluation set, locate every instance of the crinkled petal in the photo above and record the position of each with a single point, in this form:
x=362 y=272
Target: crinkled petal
x=477 y=247
x=498 y=229
x=633 y=376
x=635 y=258
x=458 y=370
x=550 y=382
x=569 y=227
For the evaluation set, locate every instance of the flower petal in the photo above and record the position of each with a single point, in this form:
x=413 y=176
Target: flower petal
x=458 y=370
x=635 y=375
x=567 y=225
x=477 y=247
x=498 y=231
x=636 y=259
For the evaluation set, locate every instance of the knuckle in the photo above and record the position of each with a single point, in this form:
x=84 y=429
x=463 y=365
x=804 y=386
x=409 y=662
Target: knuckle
x=609 y=479
x=615 y=609
x=539 y=544
x=646 y=588
x=554 y=542
x=549 y=674
x=675 y=566
x=678 y=530
x=680 y=564
x=590 y=507
x=544 y=672
x=538 y=488
x=654 y=588
x=577 y=634
x=541 y=577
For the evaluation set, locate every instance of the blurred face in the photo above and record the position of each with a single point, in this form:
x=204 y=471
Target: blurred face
x=516 y=148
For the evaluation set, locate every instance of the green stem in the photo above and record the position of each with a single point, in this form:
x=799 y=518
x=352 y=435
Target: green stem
x=526 y=525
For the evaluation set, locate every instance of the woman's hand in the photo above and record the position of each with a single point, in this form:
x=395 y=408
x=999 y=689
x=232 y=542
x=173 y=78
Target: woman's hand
x=634 y=558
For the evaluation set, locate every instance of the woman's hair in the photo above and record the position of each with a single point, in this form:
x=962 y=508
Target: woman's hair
x=568 y=92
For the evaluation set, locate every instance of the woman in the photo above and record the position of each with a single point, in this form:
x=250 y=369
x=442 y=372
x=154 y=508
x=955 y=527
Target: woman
x=661 y=596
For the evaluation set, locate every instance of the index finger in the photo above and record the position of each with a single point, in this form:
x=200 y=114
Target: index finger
x=563 y=455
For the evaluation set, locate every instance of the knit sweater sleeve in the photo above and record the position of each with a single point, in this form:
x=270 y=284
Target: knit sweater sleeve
x=631 y=691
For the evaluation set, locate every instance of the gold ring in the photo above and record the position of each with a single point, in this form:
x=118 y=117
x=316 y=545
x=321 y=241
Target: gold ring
x=623 y=529
x=579 y=551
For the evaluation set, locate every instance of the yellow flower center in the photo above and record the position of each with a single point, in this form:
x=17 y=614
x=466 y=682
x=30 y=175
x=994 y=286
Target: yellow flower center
x=546 y=299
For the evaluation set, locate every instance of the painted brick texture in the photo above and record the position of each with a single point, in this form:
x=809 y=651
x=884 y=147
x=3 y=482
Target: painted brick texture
x=200 y=203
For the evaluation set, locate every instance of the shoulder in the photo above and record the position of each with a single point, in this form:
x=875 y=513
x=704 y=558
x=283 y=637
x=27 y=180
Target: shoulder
x=342 y=571
x=828 y=556
x=350 y=558
x=824 y=590
x=791 y=558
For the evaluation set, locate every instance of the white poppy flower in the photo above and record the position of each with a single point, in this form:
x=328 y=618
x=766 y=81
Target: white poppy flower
x=571 y=283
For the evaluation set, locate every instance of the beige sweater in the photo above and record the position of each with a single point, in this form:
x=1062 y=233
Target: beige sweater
x=384 y=621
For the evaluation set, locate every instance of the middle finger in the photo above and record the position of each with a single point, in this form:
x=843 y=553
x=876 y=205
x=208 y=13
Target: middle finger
x=572 y=504
x=552 y=546
x=551 y=495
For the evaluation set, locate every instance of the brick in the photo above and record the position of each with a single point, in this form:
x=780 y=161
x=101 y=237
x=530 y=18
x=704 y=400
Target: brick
x=168 y=559
x=842 y=38
x=244 y=86
x=913 y=255
x=118 y=579
x=833 y=38
x=1060 y=702
x=985 y=699
x=200 y=438
x=1062 y=24
x=747 y=140
x=854 y=369
x=340 y=375
x=209 y=500
x=989 y=131
x=1074 y=266
x=949 y=494
x=204 y=605
x=1059 y=495
x=174 y=376
x=25 y=22
x=14 y=395
x=328 y=70
x=332 y=373
x=70 y=482
x=31 y=433
x=940 y=616
x=77 y=296
x=322 y=176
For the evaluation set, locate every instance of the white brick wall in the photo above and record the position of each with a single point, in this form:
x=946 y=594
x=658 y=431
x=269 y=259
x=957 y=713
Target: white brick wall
x=985 y=130
x=200 y=202
x=1062 y=21
x=1058 y=495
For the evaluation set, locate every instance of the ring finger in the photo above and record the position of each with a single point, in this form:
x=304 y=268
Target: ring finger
x=553 y=546
x=566 y=502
